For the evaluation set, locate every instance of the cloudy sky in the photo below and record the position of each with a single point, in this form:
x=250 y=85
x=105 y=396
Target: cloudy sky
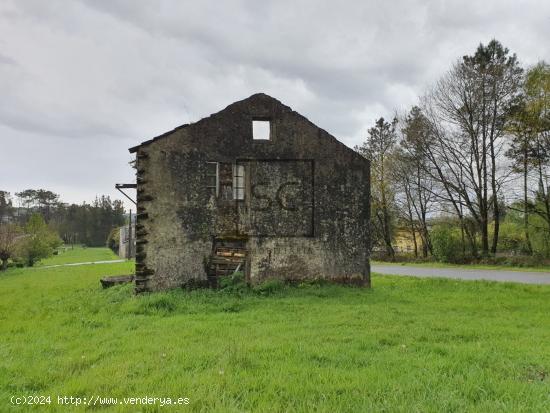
x=81 y=81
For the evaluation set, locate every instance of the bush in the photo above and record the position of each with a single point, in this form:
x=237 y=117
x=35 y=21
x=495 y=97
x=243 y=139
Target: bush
x=540 y=236
x=113 y=240
x=10 y=235
x=233 y=283
x=39 y=242
x=446 y=244
x=511 y=238
x=535 y=260
x=269 y=286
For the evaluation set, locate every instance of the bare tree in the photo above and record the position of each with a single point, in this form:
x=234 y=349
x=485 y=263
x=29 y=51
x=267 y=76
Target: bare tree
x=418 y=184
x=468 y=109
x=446 y=169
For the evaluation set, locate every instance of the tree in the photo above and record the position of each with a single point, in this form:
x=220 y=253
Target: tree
x=86 y=223
x=39 y=200
x=378 y=149
x=402 y=169
x=521 y=153
x=537 y=87
x=5 y=206
x=10 y=234
x=498 y=76
x=26 y=199
x=45 y=201
x=412 y=171
x=39 y=241
x=468 y=109
x=530 y=144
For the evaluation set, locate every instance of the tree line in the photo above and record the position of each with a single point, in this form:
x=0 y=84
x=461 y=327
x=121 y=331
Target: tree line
x=466 y=171
x=34 y=222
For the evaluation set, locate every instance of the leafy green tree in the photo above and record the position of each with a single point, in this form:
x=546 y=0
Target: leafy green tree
x=39 y=241
x=46 y=201
x=530 y=146
x=379 y=149
x=538 y=106
x=539 y=235
x=26 y=200
x=521 y=152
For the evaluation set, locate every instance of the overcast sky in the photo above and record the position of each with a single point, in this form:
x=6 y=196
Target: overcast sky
x=81 y=81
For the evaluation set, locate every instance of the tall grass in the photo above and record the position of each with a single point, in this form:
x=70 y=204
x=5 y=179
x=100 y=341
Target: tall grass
x=79 y=254
x=405 y=345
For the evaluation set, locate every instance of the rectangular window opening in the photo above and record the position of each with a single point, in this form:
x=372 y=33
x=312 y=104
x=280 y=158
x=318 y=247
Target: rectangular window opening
x=212 y=178
x=238 y=182
x=261 y=130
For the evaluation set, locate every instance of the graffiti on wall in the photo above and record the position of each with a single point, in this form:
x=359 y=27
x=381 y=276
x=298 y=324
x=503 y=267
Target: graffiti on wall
x=281 y=198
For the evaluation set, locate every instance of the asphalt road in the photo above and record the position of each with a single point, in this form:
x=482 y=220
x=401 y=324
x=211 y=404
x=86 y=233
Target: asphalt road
x=526 y=277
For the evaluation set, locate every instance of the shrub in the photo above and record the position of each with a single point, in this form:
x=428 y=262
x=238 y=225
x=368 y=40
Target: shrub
x=113 y=240
x=233 y=283
x=10 y=235
x=446 y=244
x=535 y=260
x=39 y=242
x=540 y=236
x=511 y=238
x=269 y=286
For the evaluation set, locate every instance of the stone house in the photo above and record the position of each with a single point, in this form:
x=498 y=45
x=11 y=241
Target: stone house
x=255 y=188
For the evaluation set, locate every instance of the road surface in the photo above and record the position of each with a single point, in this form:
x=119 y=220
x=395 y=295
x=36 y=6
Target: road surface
x=526 y=277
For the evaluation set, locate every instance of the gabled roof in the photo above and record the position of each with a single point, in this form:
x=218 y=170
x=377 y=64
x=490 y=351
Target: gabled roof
x=156 y=138
x=253 y=97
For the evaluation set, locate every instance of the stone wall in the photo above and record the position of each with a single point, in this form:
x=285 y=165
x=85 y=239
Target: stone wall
x=127 y=244
x=305 y=211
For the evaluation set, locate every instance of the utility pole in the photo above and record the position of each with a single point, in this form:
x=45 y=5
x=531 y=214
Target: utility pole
x=129 y=250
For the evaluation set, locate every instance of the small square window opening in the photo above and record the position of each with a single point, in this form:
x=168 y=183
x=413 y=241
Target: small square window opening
x=261 y=130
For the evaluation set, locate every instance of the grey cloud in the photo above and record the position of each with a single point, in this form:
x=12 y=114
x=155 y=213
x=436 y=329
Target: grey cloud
x=5 y=60
x=123 y=71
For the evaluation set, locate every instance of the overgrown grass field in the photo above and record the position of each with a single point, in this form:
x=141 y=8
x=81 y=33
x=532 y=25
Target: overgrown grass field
x=406 y=345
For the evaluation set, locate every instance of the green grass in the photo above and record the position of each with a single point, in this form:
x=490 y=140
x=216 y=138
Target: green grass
x=68 y=255
x=407 y=345
x=466 y=266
